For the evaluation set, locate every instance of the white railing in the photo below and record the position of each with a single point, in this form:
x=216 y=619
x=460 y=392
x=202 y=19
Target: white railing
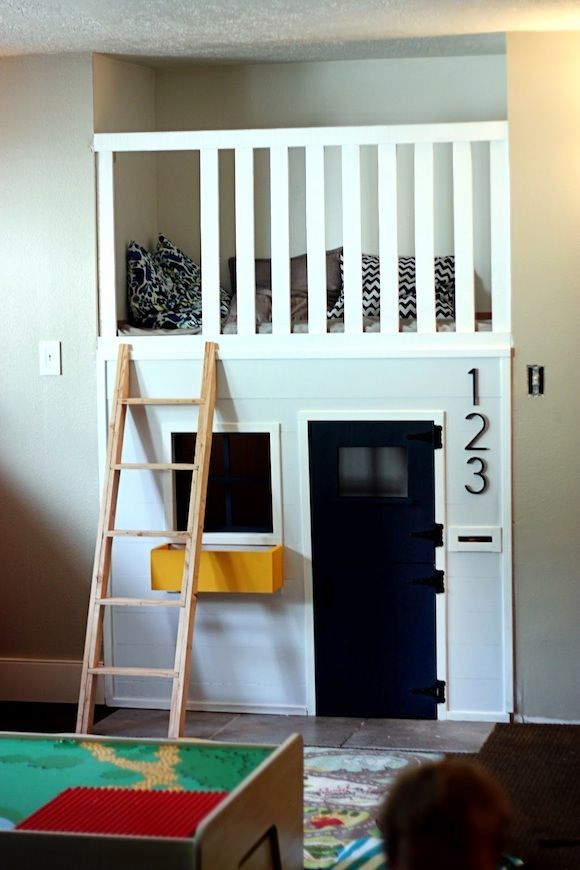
x=423 y=139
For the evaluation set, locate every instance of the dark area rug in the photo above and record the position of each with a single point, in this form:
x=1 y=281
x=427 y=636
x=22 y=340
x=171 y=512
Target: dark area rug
x=539 y=766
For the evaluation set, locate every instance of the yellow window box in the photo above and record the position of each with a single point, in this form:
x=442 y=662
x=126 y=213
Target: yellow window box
x=222 y=569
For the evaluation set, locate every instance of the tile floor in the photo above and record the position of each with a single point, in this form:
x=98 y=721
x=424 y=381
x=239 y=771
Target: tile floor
x=426 y=736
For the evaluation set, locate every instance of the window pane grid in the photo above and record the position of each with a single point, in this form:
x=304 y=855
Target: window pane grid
x=237 y=500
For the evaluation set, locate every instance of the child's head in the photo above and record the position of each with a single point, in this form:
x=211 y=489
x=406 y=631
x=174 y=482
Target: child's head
x=449 y=814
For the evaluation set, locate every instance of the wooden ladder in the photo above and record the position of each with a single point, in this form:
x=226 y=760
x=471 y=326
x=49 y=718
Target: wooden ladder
x=99 y=596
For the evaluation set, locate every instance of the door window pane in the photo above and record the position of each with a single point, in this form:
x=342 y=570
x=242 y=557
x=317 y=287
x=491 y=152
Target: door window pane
x=376 y=472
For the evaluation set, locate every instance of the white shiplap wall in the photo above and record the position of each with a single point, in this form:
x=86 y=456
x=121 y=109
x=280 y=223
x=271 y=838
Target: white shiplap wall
x=253 y=653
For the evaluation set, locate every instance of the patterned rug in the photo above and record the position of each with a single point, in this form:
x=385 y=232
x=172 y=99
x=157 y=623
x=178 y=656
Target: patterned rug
x=342 y=789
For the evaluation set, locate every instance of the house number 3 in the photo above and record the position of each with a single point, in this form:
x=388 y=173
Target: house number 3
x=480 y=464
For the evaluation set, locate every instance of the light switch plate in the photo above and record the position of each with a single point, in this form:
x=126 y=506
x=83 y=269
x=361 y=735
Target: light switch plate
x=49 y=357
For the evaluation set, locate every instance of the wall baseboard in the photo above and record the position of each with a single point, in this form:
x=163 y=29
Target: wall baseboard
x=208 y=706
x=52 y=680
x=476 y=716
x=57 y=681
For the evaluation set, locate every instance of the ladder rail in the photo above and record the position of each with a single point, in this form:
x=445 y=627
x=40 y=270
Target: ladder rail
x=195 y=521
x=103 y=550
x=100 y=601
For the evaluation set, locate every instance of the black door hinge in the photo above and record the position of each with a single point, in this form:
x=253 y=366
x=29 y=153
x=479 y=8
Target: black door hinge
x=433 y=436
x=434 y=534
x=436 y=581
x=437 y=691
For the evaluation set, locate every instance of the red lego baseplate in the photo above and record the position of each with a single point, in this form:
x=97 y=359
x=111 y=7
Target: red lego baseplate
x=124 y=812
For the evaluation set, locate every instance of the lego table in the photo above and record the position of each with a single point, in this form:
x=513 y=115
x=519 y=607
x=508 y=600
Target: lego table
x=259 y=824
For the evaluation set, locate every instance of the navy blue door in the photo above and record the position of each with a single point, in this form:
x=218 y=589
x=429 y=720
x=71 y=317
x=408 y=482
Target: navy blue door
x=373 y=557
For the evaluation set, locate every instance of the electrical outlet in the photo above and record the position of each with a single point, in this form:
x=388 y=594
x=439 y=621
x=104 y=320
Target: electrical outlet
x=49 y=357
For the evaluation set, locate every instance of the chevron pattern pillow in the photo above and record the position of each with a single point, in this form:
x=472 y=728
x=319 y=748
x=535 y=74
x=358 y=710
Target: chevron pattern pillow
x=444 y=268
x=371 y=284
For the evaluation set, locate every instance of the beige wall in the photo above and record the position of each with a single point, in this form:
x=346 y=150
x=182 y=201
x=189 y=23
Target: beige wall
x=544 y=119
x=48 y=445
x=123 y=96
x=336 y=92
x=411 y=90
x=124 y=101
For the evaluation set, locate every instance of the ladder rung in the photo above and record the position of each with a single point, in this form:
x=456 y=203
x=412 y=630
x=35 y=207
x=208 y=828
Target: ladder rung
x=142 y=400
x=156 y=466
x=139 y=602
x=134 y=672
x=147 y=533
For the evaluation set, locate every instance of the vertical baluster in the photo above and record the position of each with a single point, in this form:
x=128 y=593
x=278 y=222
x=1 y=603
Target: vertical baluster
x=315 y=239
x=280 y=240
x=351 y=239
x=210 y=246
x=245 y=266
x=424 y=238
x=388 y=241
x=463 y=237
x=500 y=235
x=106 y=245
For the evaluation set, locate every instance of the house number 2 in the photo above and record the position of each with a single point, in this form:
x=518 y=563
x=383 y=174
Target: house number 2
x=480 y=465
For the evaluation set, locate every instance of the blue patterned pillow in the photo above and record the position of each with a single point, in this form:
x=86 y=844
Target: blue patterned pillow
x=164 y=288
x=148 y=288
x=185 y=275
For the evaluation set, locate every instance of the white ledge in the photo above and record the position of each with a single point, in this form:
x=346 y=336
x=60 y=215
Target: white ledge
x=331 y=346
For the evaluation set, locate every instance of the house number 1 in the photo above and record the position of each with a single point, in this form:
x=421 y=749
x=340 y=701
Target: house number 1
x=480 y=471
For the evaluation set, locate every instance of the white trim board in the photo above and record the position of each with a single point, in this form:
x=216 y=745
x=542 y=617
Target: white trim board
x=506 y=557
x=296 y=137
x=331 y=346
x=476 y=716
x=208 y=706
x=304 y=418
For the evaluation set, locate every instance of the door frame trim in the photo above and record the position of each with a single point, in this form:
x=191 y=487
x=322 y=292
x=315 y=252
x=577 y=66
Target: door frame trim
x=437 y=417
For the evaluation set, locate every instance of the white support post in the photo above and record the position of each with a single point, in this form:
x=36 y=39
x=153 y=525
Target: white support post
x=106 y=245
x=507 y=533
x=280 y=240
x=245 y=265
x=500 y=235
x=463 y=237
x=315 y=239
x=388 y=241
x=351 y=239
x=424 y=238
x=210 y=245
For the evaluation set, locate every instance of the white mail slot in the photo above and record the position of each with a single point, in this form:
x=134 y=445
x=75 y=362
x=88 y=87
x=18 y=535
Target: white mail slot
x=474 y=539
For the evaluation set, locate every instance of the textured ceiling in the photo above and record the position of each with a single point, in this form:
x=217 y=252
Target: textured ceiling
x=261 y=30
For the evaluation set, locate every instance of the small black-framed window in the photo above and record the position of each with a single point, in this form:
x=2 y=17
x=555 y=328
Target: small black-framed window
x=373 y=472
x=239 y=492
